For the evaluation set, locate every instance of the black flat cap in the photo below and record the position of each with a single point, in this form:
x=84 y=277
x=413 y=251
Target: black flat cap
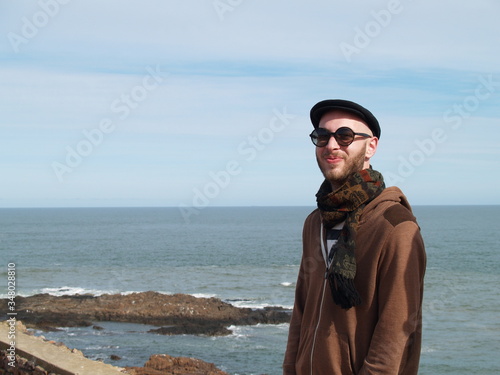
x=329 y=105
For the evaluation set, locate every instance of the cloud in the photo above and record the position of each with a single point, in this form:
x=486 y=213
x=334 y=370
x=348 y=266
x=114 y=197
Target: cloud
x=225 y=72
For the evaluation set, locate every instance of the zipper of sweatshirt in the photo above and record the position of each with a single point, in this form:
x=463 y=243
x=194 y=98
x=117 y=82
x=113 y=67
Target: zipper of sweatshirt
x=317 y=325
x=322 y=298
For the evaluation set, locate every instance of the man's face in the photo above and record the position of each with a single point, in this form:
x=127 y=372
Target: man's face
x=338 y=162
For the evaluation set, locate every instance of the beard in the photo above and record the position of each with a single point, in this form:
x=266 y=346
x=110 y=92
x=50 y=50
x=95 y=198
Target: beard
x=338 y=174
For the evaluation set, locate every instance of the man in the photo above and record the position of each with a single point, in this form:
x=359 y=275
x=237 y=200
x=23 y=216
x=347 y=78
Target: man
x=358 y=299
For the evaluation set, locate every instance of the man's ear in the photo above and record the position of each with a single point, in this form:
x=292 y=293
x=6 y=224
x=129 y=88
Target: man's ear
x=371 y=148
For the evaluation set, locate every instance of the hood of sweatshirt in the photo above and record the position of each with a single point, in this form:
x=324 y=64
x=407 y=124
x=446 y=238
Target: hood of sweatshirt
x=387 y=198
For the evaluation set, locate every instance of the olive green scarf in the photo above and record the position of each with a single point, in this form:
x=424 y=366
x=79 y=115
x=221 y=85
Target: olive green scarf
x=346 y=204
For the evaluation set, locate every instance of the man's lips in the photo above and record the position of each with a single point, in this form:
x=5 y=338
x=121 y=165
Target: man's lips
x=333 y=159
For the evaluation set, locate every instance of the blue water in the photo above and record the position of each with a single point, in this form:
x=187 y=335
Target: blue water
x=249 y=257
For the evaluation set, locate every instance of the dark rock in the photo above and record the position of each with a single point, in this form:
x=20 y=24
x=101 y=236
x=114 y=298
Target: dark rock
x=176 y=314
x=193 y=329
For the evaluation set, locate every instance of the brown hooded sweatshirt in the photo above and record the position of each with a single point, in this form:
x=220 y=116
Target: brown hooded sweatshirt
x=383 y=334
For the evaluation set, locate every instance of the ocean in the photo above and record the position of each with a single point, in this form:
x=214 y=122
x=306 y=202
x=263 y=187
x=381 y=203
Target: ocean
x=249 y=257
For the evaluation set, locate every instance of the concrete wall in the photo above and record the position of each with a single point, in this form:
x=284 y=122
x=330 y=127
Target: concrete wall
x=23 y=354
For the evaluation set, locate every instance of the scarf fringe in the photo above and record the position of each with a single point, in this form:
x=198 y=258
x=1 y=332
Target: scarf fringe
x=344 y=292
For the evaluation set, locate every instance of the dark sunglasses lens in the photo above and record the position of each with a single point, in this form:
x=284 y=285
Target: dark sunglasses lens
x=320 y=137
x=344 y=136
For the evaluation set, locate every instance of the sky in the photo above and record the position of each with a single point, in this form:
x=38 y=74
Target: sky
x=195 y=104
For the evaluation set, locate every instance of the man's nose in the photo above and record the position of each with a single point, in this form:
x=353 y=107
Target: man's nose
x=332 y=143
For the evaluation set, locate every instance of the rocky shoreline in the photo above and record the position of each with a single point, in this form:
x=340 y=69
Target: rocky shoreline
x=173 y=314
x=34 y=355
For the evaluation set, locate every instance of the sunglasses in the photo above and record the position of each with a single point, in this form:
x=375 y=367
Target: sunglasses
x=344 y=136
